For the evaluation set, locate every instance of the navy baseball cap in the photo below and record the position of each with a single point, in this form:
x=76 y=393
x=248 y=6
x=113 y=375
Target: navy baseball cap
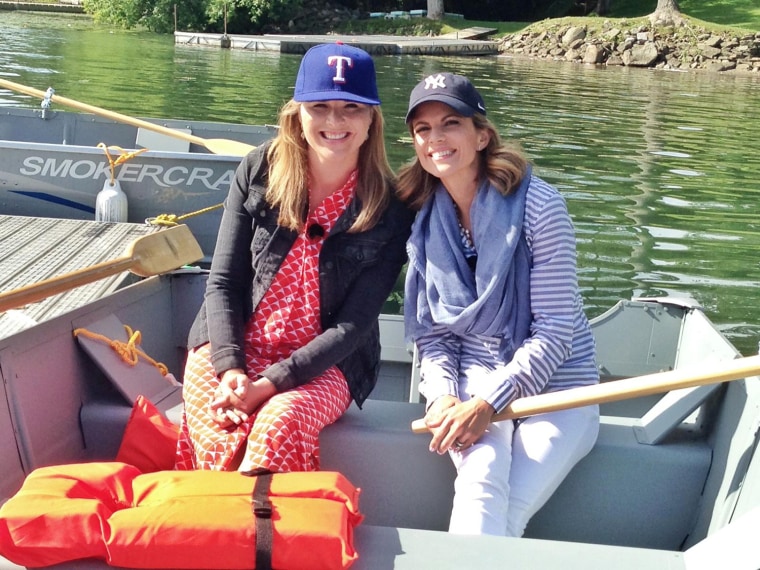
x=336 y=71
x=454 y=90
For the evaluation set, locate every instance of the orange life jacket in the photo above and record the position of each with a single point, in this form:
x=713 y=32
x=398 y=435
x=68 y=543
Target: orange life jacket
x=180 y=519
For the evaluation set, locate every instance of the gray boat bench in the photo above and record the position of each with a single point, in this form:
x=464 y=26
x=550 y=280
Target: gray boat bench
x=645 y=500
x=648 y=503
x=645 y=495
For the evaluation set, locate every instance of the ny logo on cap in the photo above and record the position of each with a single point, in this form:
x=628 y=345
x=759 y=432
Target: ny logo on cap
x=435 y=82
x=339 y=62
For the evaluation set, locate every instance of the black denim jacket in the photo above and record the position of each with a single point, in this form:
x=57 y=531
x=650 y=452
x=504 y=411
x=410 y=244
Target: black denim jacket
x=357 y=272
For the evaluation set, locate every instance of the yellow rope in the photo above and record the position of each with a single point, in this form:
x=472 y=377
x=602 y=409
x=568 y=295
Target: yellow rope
x=121 y=159
x=174 y=219
x=161 y=219
x=128 y=351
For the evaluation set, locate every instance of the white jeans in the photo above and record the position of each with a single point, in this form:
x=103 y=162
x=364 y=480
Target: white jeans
x=510 y=473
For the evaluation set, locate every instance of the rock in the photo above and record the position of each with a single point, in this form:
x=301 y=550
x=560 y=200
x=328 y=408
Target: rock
x=720 y=65
x=614 y=59
x=627 y=44
x=730 y=43
x=573 y=34
x=641 y=55
x=594 y=54
x=709 y=51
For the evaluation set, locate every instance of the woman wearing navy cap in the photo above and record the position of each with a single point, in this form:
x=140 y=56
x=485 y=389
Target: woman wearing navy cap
x=310 y=245
x=493 y=305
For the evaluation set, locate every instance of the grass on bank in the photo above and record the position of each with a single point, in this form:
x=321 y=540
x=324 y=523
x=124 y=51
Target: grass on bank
x=714 y=15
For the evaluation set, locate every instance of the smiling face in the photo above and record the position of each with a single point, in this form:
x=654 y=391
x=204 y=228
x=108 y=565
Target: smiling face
x=447 y=144
x=335 y=130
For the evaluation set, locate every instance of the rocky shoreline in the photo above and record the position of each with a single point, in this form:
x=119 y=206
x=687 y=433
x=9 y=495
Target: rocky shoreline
x=674 y=48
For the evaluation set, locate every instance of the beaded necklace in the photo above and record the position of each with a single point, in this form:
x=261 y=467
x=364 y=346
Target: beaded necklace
x=468 y=247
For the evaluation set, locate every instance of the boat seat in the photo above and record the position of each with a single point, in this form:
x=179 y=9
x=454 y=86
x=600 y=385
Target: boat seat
x=387 y=548
x=152 y=140
x=642 y=493
x=642 y=489
x=141 y=378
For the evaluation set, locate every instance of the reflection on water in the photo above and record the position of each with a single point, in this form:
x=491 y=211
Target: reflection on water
x=659 y=169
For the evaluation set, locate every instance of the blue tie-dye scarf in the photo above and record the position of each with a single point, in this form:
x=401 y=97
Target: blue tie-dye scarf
x=494 y=300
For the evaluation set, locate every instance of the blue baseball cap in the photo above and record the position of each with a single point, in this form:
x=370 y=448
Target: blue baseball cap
x=336 y=71
x=456 y=91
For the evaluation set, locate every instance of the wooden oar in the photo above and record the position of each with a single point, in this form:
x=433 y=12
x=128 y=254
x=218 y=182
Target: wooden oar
x=147 y=255
x=623 y=389
x=217 y=146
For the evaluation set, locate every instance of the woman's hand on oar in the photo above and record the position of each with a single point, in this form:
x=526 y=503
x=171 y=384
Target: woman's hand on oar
x=148 y=255
x=634 y=387
x=216 y=146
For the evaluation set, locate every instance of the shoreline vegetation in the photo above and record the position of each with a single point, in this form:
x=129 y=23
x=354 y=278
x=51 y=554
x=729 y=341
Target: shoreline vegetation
x=683 y=44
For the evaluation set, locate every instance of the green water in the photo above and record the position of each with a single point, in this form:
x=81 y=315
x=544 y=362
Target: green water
x=660 y=169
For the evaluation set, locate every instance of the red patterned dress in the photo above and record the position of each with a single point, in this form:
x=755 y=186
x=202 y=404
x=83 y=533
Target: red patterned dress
x=283 y=434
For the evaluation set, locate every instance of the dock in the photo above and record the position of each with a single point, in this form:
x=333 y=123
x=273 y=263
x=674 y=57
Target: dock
x=70 y=7
x=375 y=45
x=34 y=249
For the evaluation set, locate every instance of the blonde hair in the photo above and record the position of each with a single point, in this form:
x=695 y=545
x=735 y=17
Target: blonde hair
x=504 y=167
x=288 y=172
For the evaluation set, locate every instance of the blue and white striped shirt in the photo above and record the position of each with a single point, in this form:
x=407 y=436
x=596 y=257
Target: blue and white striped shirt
x=560 y=351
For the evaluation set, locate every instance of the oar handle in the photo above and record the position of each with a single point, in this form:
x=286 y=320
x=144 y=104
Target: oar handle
x=103 y=112
x=622 y=389
x=54 y=285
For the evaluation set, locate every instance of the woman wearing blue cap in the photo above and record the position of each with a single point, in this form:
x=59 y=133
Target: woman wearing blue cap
x=310 y=245
x=493 y=304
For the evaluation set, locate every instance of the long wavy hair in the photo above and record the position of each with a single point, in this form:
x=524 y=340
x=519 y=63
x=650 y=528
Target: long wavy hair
x=289 y=177
x=503 y=165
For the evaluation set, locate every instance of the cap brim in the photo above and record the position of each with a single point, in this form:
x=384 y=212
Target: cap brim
x=457 y=104
x=334 y=96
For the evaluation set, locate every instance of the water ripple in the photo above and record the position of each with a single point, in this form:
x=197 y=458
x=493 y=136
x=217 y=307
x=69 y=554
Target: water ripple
x=659 y=175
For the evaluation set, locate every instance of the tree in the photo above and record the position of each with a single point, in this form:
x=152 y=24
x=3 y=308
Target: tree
x=602 y=7
x=435 y=9
x=667 y=13
x=155 y=15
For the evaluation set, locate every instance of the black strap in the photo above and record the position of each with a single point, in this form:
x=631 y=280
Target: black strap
x=262 y=513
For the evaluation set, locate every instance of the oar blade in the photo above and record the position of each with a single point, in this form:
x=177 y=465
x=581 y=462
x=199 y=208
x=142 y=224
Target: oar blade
x=227 y=147
x=163 y=251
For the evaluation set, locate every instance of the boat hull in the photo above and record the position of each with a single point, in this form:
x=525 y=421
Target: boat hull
x=52 y=167
x=653 y=485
